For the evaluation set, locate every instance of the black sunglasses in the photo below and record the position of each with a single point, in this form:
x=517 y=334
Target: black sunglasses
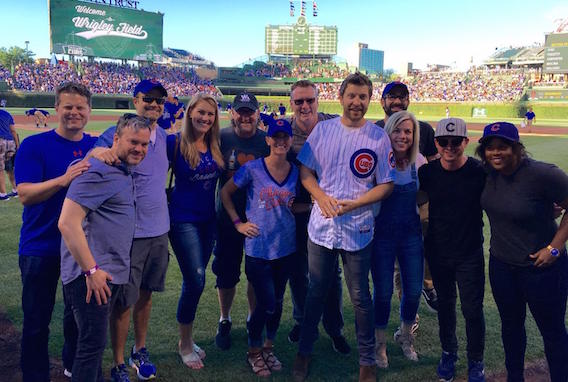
x=453 y=142
x=159 y=100
x=300 y=101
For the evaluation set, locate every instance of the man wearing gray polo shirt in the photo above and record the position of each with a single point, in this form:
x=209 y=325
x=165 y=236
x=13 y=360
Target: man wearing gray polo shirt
x=97 y=227
x=149 y=254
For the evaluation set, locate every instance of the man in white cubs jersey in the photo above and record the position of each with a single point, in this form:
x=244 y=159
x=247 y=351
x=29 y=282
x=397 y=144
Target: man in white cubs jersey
x=346 y=167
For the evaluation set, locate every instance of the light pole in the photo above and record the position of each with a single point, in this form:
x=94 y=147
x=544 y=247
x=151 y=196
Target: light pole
x=27 y=55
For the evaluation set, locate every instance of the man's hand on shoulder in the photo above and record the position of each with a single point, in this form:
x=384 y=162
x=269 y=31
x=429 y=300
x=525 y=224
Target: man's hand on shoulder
x=74 y=171
x=104 y=154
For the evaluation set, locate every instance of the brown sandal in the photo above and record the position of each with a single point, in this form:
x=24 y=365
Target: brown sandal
x=270 y=359
x=257 y=363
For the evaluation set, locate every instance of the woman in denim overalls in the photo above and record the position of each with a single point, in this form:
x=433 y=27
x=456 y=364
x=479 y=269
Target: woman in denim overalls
x=398 y=236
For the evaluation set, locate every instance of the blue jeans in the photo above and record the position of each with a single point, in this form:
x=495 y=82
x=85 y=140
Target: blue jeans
x=322 y=267
x=268 y=278
x=408 y=249
x=192 y=244
x=468 y=272
x=92 y=323
x=545 y=292
x=332 y=318
x=40 y=275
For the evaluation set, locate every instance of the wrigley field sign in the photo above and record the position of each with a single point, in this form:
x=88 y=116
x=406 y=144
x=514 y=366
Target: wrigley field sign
x=104 y=28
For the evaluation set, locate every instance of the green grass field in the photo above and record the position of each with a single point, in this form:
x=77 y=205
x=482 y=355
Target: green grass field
x=230 y=365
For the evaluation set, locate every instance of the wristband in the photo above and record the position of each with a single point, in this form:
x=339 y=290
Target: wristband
x=237 y=221
x=91 y=271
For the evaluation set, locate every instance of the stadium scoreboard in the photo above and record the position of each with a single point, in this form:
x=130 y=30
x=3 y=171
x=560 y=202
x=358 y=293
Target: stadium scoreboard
x=556 y=53
x=97 y=29
x=301 y=39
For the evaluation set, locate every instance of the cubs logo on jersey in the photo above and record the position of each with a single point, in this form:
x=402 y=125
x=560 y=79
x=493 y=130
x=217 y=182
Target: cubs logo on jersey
x=363 y=163
x=392 y=160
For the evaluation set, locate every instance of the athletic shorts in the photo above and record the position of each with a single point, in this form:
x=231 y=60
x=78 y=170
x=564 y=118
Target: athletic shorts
x=149 y=258
x=228 y=255
x=7 y=151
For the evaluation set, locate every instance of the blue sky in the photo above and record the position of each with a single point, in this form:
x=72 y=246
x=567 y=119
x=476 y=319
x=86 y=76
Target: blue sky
x=422 y=32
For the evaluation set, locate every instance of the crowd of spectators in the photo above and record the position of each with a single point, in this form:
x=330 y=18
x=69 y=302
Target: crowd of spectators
x=481 y=85
x=474 y=85
x=41 y=77
x=262 y=69
x=105 y=78
x=319 y=70
x=179 y=81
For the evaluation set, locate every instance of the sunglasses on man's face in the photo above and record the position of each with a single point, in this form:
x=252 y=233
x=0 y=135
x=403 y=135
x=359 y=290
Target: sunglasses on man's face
x=159 y=100
x=300 y=101
x=453 y=142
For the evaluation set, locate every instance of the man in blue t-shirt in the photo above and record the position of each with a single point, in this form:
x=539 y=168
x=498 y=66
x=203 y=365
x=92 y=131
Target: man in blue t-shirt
x=97 y=226
x=9 y=143
x=45 y=166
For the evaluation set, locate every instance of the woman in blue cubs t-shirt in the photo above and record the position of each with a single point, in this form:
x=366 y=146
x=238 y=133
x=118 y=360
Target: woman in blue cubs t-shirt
x=270 y=233
x=196 y=162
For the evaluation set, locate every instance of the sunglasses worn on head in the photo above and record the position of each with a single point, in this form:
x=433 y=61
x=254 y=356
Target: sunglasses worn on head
x=159 y=100
x=300 y=101
x=453 y=142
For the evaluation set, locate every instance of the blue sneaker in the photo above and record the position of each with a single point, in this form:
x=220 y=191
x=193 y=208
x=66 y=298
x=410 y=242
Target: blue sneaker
x=141 y=362
x=447 y=367
x=476 y=371
x=119 y=373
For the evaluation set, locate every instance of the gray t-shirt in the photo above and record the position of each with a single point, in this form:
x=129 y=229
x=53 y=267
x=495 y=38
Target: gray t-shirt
x=108 y=192
x=236 y=152
x=520 y=210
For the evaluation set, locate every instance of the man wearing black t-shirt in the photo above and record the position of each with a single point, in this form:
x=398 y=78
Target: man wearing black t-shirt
x=396 y=98
x=454 y=244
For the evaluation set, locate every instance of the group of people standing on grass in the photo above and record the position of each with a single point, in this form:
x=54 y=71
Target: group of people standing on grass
x=294 y=198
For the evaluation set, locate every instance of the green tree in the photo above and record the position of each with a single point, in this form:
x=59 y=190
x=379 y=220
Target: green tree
x=10 y=57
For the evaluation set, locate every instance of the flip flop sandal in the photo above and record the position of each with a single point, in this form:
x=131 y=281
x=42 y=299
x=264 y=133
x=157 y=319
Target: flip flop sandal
x=192 y=359
x=200 y=352
x=257 y=364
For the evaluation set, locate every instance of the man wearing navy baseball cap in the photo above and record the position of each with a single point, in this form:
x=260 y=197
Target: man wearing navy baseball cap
x=149 y=252
x=241 y=142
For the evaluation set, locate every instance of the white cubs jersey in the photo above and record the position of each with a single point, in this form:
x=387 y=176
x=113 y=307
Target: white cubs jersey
x=348 y=162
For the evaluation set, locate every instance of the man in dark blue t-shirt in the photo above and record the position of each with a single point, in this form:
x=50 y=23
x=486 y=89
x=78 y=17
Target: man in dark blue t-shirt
x=45 y=166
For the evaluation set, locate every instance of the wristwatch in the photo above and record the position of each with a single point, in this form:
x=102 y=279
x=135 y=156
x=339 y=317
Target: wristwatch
x=554 y=252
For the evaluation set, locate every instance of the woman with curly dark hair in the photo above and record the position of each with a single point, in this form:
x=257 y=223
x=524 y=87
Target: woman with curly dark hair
x=528 y=263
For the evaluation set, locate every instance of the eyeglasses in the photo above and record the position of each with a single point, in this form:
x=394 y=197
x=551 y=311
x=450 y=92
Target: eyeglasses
x=158 y=100
x=392 y=97
x=453 y=142
x=300 y=101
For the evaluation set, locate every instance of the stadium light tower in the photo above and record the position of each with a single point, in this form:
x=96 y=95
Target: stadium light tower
x=27 y=55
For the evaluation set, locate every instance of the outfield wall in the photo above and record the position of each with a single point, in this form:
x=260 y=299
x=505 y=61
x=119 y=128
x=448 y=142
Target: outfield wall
x=554 y=110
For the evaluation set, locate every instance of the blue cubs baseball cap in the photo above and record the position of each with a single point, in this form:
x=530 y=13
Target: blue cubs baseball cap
x=503 y=130
x=393 y=85
x=279 y=125
x=145 y=86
